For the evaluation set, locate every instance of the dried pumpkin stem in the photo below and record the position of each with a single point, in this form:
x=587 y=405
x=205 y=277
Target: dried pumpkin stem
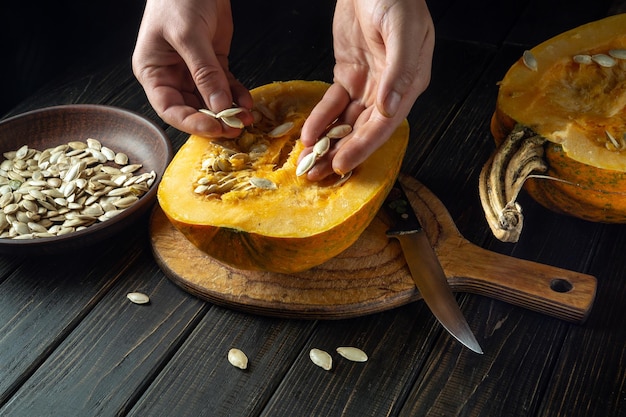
x=502 y=178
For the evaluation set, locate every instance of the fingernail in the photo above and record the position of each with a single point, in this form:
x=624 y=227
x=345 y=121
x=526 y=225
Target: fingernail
x=391 y=104
x=219 y=101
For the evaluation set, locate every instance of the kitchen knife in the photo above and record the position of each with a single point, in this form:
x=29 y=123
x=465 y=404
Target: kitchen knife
x=425 y=269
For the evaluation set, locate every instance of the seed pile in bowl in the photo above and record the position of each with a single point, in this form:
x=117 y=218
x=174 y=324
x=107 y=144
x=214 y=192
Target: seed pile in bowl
x=64 y=189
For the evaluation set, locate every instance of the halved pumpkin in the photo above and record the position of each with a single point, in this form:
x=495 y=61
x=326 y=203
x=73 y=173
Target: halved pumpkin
x=241 y=202
x=560 y=128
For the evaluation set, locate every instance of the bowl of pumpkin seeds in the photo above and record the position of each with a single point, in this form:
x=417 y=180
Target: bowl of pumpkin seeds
x=73 y=175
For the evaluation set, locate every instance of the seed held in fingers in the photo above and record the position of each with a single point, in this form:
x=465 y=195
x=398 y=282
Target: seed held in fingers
x=339 y=131
x=207 y=112
x=321 y=147
x=345 y=177
x=229 y=112
x=232 y=122
x=306 y=164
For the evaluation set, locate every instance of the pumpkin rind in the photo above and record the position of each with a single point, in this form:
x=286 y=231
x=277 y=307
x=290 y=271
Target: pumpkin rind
x=576 y=107
x=298 y=225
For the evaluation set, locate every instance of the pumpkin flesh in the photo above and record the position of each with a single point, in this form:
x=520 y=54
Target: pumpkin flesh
x=298 y=224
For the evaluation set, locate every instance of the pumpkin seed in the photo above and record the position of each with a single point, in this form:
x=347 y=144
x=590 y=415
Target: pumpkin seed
x=237 y=358
x=321 y=146
x=345 y=177
x=233 y=122
x=530 y=61
x=305 y=164
x=321 y=358
x=208 y=112
x=121 y=158
x=229 y=112
x=583 y=59
x=263 y=183
x=339 y=131
x=618 y=53
x=604 y=60
x=352 y=353
x=227 y=116
x=138 y=297
x=281 y=130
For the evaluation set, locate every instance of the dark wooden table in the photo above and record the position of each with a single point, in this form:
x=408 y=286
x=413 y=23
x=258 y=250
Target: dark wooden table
x=72 y=345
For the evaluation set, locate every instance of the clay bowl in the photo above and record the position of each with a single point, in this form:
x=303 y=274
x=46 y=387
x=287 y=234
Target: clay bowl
x=120 y=130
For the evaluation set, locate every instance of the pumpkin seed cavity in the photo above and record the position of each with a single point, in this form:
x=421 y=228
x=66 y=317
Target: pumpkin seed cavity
x=238 y=167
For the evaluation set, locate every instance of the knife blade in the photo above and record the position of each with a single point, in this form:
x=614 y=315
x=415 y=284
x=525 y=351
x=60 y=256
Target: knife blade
x=425 y=268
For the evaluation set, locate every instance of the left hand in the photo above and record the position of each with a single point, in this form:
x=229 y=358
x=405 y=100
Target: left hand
x=383 y=52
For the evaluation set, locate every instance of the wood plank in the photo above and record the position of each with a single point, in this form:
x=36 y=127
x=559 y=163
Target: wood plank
x=199 y=380
x=588 y=379
x=115 y=350
x=397 y=344
x=41 y=302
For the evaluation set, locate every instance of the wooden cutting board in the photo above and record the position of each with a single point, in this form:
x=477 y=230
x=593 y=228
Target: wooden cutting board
x=372 y=275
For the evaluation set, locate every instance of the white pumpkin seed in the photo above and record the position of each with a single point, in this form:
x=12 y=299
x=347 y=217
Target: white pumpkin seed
x=93 y=144
x=604 y=60
x=229 y=112
x=339 y=131
x=321 y=358
x=208 y=112
x=138 y=297
x=281 y=130
x=618 y=53
x=352 y=353
x=583 y=59
x=263 y=183
x=233 y=122
x=237 y=358
x=305 y=164
x=321 y=147
x=530 y=61
x=121 y=158
x=345 y=177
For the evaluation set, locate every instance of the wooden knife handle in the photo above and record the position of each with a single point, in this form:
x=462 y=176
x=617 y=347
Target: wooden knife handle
x=558 y=292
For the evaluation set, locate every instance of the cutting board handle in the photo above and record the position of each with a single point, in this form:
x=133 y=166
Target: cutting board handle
x=558 y=292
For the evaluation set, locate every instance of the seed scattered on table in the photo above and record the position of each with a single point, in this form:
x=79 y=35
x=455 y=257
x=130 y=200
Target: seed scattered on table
x=138 y=297
x=321 y=358
x=65 y=188
x=352 y=353
x=237 y=358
